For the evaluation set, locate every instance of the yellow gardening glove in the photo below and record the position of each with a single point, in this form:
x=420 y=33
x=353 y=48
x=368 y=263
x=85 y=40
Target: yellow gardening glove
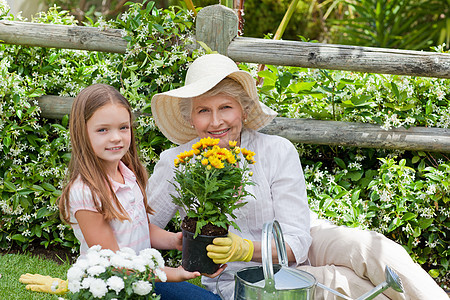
x=230 y=248
x=45 y=284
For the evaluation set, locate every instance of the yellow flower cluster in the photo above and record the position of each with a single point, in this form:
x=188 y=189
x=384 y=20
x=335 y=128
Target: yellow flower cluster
x=213 y=156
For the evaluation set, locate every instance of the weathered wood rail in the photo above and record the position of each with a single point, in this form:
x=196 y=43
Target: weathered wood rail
x=62 y=36
x=333 y=133
x=216 y=25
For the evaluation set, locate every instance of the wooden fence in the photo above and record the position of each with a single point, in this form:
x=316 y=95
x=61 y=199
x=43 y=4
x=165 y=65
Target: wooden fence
x=217 y=26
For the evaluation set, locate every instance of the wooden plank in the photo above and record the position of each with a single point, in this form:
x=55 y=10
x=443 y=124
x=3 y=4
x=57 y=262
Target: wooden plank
x=340 y=57
x=55 y=107
x=319 y=132
x=361 y=135
x=216 y=26
x=62 y=36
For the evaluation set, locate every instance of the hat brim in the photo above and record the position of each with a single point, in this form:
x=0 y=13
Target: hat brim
x=166 y=106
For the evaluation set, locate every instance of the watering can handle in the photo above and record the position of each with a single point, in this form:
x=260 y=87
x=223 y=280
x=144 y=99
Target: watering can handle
x=266 y=251
x=217 y=283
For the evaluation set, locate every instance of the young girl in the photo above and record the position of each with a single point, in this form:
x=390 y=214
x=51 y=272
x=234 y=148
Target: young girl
x=104 y=200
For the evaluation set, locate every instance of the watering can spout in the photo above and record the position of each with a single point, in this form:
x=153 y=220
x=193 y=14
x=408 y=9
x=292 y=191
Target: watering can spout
x=392 y=280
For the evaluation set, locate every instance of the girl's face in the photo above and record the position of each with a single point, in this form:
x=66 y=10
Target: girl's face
x=218 y=117
x=109 y=131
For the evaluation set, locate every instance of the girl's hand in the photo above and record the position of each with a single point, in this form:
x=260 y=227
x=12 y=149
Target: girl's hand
x=179 y=274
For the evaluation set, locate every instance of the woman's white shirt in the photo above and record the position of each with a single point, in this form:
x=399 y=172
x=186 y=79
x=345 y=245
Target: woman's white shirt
x=279 y=190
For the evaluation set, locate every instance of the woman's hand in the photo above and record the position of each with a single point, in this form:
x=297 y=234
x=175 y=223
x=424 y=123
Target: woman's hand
x=178 y=241
x=217 y=273
x=230 y=248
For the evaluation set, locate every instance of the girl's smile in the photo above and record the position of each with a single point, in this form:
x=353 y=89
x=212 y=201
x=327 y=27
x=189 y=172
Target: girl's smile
x=109 y=131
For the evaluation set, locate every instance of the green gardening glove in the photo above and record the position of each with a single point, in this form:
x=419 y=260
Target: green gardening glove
x=45 y=284
x=230 y=248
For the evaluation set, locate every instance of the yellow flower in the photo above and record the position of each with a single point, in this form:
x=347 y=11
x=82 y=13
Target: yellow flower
x=248 y=155
x=208 y=142
x=176 y=162
x=204 y=161
x=185 y=156
x=250 y=173
x=215 y=162
x=230 y=158
x=232 y=144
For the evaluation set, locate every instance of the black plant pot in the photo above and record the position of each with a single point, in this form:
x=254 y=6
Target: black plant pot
x=194 y=255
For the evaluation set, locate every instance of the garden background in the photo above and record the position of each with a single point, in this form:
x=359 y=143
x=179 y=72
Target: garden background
x=402 y=194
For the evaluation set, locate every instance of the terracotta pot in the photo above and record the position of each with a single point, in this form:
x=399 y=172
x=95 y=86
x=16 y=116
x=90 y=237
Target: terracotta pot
x=194 y=255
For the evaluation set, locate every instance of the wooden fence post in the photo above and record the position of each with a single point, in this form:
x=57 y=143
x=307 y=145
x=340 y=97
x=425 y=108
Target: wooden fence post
x=216 y=26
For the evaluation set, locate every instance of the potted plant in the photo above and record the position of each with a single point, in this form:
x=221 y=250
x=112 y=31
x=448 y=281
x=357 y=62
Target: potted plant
x=210 y=182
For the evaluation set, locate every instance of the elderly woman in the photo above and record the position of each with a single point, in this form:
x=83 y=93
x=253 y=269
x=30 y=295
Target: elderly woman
x=220 y=101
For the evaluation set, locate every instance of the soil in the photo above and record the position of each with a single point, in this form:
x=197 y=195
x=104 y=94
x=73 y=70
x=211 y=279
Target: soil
x=209 y=229
x=58 y=254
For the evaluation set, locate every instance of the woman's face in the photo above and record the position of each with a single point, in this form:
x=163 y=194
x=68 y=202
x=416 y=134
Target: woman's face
x=218 y=117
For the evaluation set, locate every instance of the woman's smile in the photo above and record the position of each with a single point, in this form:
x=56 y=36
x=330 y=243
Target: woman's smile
x=218 y=116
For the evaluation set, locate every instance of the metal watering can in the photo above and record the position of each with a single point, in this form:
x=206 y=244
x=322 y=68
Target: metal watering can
x=278 y=281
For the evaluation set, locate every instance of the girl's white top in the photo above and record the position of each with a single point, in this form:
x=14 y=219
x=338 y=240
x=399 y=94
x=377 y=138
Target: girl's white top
x=134 y=233
x=279 y=190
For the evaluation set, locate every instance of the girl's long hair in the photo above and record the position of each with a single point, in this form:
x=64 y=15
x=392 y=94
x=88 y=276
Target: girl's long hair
x=84 y=164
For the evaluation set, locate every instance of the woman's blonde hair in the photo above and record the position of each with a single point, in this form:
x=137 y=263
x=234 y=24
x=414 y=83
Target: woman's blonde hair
x=84 y=164
x=226 y=86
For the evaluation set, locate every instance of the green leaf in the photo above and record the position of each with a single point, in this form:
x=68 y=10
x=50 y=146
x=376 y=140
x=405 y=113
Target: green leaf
x=6 y=141
x=408 y=216
x=424 y=223
x=48 y=187
x=10 y=187
x=340 y=162
x=43 y=212
x=301 y=86
x=355 y=175
x=19 y=237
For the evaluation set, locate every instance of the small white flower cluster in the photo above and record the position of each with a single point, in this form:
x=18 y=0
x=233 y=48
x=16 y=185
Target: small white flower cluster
x=103 y=273
x=4 y=7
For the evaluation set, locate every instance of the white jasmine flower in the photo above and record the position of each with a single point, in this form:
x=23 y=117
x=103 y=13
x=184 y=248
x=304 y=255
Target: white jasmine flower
x=142 y=287
x=115 y=283
x=98 y=288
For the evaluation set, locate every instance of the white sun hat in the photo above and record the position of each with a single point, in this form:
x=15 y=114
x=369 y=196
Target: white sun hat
x=203 y=74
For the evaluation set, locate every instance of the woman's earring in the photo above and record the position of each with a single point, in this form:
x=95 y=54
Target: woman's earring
x=245 y=121
x=192 y=126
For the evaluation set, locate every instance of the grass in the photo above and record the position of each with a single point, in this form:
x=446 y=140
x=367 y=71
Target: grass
x=14 y=265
